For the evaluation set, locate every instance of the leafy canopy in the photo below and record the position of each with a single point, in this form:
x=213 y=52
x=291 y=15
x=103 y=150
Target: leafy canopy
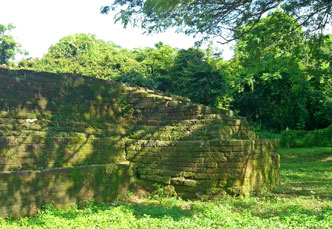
x=8 y=46
x=84 y=54
x=277 y=74
x=215 y=18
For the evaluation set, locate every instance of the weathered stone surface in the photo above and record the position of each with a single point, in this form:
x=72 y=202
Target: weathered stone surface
x=23 y=192
x=49 y=122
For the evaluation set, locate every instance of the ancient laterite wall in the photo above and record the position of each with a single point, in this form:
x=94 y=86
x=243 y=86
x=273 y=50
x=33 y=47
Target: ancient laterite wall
x=56 y=129
x=23 y=192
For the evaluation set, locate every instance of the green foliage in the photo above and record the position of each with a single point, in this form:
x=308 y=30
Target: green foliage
x=271 y=76
x=195 y=76
x=8 y=46
x=303 y=201
x=214 y=19
x=155 y=65
x=279 y=78
x=84 y=54
x=267 y=135
x=162 y=191
x=190 y=73
x=302 y=138
x=319 y=69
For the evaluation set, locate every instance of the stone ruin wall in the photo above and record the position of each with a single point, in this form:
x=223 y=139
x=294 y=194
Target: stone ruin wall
x=66 y=138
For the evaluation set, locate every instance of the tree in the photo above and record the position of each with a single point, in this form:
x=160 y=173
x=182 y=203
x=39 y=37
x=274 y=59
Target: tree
x=155 y=64
x=216 y=18
x=8 y=46
x=320 y=65
x=275 y=86
x=195 y=76
x=84 y=54
x=320 y=73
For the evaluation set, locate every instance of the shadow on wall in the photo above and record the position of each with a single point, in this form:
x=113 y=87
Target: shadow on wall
x=61 y=140
x=80 y=137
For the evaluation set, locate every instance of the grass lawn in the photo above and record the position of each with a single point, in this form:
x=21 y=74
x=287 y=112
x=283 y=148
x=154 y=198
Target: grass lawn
x=304 y=200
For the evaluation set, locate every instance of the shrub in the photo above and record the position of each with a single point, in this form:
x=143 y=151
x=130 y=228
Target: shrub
x=302 y=138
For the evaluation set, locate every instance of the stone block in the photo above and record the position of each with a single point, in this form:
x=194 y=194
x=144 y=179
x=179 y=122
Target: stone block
x=3 y=186
x=157 y=179
x=63 y=186
x=190 y=183
x=177 y=181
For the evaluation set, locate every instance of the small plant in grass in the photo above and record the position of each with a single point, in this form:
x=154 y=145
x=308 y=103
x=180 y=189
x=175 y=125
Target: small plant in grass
x=162 y=191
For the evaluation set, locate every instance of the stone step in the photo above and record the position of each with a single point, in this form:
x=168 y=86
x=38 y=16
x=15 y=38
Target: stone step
x=8 y=125
x=104 y=124
x=229 y=145
x=169 y=133
x=197 y=128
x=93 y=109
x=34 y=152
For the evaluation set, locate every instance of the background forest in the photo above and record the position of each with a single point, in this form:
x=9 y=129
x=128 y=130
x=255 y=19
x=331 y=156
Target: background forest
x=279 y=78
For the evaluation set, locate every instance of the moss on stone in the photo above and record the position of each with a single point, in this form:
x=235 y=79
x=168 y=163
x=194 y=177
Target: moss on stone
x=82 y=121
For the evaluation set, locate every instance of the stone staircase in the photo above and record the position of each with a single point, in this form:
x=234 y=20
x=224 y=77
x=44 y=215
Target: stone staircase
x=203 y=152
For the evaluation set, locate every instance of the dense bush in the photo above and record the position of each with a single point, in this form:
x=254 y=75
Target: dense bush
x=303 y=138
x=84 y=54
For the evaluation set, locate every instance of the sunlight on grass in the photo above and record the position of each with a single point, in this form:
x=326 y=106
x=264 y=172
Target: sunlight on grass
x=306 y=172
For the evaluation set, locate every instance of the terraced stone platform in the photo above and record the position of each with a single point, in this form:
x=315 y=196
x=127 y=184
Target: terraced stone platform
x=79 y=138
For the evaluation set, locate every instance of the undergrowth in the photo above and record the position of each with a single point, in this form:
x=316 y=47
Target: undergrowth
x=303 y=138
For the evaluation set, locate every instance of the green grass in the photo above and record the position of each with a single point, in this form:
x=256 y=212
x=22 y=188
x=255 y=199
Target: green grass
x=307 y=172
x=304 y=200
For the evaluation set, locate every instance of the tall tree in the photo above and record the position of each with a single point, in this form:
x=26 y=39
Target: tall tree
x=8 y=46
x=195 y=76
x=320 y=76
x=320 y=65
x=276 y=87
x=216 y=18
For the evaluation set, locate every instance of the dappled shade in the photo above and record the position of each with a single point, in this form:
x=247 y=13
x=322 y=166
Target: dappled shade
x=67 y=138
